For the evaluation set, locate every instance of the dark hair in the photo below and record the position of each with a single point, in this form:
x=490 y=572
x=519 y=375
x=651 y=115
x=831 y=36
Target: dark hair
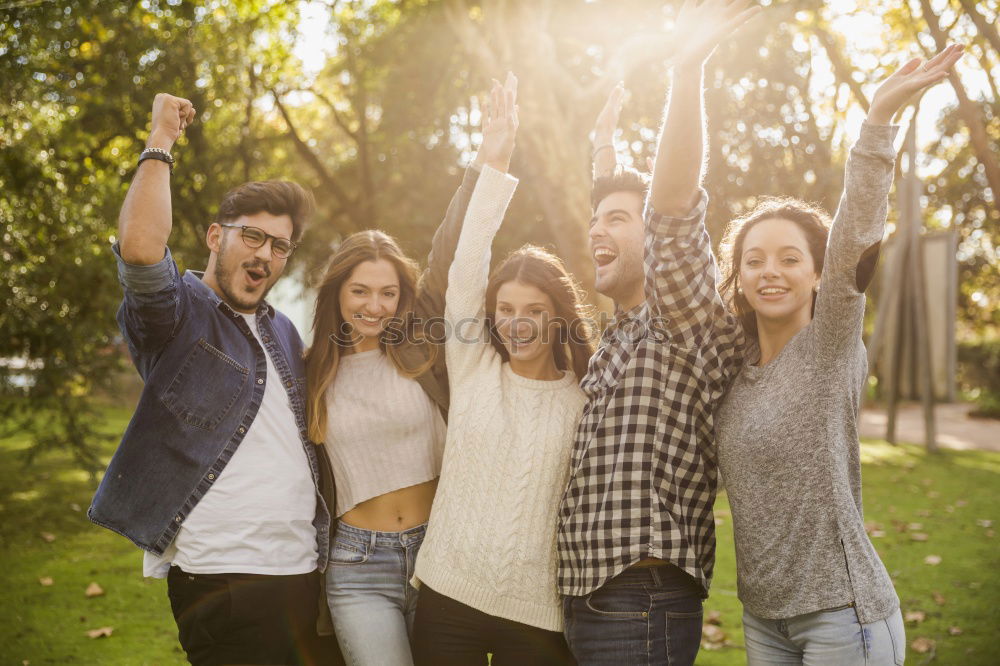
x=540 y=268
x=622 y=179
x=811 y=219
x=277 y=197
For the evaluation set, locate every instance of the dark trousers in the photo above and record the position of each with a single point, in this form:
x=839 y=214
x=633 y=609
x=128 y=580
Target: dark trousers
x=249 y=619
x=641 y=616
x=446 y=633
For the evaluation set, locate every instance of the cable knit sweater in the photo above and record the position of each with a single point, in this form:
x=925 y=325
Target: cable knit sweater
x=491 y=538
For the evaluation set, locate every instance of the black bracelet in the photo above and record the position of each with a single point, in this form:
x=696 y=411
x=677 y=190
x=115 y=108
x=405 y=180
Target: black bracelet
x=157 y=154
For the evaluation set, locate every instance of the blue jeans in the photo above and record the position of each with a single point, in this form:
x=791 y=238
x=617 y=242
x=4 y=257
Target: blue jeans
x=369 y=593
x=825 y=638
x=644 y=615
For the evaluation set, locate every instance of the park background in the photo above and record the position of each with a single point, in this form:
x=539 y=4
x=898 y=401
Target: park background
x=374 y=105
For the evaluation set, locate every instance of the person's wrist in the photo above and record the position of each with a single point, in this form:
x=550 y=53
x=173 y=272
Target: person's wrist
x=160 y=139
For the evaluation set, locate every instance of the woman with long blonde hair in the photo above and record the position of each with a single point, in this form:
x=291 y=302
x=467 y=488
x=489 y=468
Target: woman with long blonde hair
x=377 y=401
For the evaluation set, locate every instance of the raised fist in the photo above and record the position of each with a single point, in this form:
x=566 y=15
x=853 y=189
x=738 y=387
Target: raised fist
x=171 y=115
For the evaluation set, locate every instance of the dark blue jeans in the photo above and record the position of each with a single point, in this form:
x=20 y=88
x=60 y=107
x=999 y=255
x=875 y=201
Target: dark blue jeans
x=644 y=615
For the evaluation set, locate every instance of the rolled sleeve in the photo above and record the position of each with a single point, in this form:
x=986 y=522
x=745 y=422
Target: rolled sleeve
x=667 y=226
x=147 y=279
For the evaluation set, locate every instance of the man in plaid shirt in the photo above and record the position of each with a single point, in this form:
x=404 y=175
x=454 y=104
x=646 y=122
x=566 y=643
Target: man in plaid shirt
x=636 y=535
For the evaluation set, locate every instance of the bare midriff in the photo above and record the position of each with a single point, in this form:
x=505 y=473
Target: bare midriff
x=395 y=511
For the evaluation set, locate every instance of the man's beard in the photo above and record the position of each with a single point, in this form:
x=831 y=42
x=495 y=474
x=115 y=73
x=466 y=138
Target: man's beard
x=225 y=278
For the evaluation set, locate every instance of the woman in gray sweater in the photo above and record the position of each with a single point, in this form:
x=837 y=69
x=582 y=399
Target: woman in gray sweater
x=812 y=586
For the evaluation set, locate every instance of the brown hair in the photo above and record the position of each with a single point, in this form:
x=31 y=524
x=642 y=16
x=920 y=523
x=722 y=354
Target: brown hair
x=323 y=357
x=622 y=179
x=811 y=219
x=277 y=197
x=540 y=268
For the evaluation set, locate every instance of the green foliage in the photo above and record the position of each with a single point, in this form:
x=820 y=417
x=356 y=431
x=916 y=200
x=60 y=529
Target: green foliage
x=382 y=129
x=979 y=375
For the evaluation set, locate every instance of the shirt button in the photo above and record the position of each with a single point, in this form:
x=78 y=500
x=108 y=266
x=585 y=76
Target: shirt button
x=211 y=476
x=288 y=385
x=177 y=519
x=260 y=381
x=267 y=338
x=242 y=429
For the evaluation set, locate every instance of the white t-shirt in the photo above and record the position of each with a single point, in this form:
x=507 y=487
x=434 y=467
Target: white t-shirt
x=257 y=516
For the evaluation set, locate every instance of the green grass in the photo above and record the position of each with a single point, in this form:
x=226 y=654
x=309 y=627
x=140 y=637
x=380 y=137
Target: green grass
x=947 y=494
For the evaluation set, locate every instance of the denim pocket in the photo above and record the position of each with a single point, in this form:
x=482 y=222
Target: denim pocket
x=683 y=633
x=619 y=601
x=206 y=387
x=897 y=634
x=348 y=552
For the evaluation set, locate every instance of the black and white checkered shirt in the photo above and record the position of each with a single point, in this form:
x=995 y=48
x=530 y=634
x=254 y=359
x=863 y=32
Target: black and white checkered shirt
x=643 y=475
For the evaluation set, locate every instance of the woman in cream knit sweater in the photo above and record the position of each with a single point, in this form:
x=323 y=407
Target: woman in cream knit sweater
x=516 y=347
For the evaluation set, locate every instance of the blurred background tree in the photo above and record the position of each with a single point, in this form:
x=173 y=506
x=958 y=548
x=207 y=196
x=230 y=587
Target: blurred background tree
x=374 y=104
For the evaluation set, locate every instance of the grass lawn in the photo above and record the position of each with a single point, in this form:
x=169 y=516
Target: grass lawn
x=916 y=506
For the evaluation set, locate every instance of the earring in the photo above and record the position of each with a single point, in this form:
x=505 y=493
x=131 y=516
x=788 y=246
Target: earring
x=739 y=290
x=816 y=288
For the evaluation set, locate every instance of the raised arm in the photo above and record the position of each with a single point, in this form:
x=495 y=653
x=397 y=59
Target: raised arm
x=603 y=143
x=145 y=219
x=681 y=284
x=680 y=152
x=859 y=223
x=469 y=272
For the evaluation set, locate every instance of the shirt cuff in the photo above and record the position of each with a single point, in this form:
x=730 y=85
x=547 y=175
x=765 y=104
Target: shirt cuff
x=493 y=181
x=146 y=279
x=665 y=226
x=878 y=139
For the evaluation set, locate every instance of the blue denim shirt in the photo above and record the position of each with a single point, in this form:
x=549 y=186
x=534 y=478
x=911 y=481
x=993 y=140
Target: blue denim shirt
x=204 y=375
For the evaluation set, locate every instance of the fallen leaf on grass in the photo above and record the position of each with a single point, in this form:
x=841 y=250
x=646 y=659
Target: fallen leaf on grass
x=714 y=617
x=48 y=537
x=938 y=598
x=955 y=631
x=45 y=581
x=915 y=616
x=94 y=590
x=915 y=527
x=925 y=513
x=982 y=522
x=75 y=507
x=712 y=638
x=990 y=533
x=103 y=632
x=918 y=536
x=877 y=534
x=933 y=560
x=922 y=645
x=933 y=494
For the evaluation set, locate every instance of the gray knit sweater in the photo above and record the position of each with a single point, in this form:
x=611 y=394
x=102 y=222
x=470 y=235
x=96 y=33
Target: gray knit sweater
x=787 y=433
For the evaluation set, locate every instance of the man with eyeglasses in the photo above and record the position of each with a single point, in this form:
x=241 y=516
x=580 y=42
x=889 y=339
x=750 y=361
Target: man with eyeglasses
x=215 y=478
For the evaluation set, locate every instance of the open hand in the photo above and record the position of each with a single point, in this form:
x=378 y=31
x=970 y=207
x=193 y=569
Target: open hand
x=908 y=80
x=499 y=125
x=171 y=116
x=702 y=26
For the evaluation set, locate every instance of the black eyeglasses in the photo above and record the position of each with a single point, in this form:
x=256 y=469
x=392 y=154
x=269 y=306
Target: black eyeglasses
x=254 y=238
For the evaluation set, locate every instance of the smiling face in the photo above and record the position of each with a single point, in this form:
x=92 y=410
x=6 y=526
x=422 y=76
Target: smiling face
x=777 y=272
x=525 y=321
x=368 y=299
x=242 y=275
x=616 y=245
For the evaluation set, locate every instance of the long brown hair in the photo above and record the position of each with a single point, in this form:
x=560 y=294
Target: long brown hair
x=323 y=357
x=540 y=268
x=811 y=219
